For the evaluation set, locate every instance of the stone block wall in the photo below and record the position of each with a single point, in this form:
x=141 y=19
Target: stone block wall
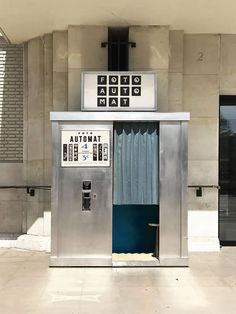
x=193 y=70
x=201 y=99
x=188 y=80
x=152 y=54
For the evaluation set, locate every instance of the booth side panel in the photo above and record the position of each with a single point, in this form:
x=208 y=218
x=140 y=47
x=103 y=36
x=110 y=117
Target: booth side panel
x=54 y=194
x=184 y=184
x=171 y=175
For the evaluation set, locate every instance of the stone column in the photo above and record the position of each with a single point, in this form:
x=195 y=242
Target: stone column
x=34 y=135
x=152 y=53
x=60 y=71
x=201 y=98
x=85 y=53
x=48 y=106
x=175 y=94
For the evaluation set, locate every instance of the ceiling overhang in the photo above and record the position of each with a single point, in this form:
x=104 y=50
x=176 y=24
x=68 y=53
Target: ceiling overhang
x=25 y=19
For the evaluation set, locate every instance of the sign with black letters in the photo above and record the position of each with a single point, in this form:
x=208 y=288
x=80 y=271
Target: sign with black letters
x=85 y=148
x=119 y=91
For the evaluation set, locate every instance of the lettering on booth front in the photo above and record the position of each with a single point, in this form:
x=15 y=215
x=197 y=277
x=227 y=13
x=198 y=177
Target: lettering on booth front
x=116 y=90
x=85 y=148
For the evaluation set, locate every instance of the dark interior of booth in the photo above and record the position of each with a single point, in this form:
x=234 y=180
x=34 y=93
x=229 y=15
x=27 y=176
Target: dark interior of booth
x=135 y=188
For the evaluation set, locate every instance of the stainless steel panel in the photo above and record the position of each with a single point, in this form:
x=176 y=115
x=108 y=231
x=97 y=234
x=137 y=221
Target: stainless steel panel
x=81 y=233
x=80 y=261
x=119 y=116
x=171 y=198
x=55 y=186
x=84 y=236
x=184 y=184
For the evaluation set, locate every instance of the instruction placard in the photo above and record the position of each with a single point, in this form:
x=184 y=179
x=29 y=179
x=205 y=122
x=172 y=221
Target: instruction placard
x=85 y=148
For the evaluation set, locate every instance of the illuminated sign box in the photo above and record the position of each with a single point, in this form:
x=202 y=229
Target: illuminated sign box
x=119 y=91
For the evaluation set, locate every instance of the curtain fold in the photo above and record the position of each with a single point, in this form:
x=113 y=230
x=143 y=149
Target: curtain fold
x=136 y=176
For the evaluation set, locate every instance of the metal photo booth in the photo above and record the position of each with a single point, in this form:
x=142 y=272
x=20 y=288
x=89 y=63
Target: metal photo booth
x=119 y=177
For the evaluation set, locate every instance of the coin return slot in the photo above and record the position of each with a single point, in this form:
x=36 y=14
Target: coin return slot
x=86 y=201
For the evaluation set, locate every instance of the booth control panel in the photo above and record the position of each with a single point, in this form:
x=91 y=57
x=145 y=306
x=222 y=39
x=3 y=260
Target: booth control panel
x=83 y=162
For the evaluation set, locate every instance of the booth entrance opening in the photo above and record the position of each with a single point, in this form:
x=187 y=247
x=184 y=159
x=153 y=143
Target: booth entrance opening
x=135 y=217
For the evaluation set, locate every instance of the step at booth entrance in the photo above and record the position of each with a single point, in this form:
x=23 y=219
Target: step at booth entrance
x=119 y=178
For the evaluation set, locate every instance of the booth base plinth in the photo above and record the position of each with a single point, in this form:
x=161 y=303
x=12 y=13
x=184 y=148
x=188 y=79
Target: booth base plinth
x=80 y=262
x=118 y=260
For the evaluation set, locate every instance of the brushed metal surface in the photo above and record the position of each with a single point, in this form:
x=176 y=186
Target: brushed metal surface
x=85 y=238
x=119 y=116
x=169 y=189
x=83 y=235
x=184 y=184
x=55 y=185
x=173 y=188
x=81 y=261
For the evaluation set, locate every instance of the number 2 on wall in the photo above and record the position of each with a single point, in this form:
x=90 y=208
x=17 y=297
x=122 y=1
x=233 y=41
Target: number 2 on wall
x=200 y=56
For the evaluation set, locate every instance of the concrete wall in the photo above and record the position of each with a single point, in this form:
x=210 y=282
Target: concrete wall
x=193 y=70
x=201 y=99
x=175 y=75
x=152 y=53
x=12 y=214
x=84 y=54
x=37 y=136
x=60 y=71
x=53 y=64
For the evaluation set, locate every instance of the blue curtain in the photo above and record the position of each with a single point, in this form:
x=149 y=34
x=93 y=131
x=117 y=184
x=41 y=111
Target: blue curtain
x=136 y=163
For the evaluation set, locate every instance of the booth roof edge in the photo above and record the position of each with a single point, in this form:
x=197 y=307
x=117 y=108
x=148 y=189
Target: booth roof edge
x=118 y=116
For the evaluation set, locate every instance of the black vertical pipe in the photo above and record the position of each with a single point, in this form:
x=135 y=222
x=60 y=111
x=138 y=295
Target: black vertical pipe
x=118 y=49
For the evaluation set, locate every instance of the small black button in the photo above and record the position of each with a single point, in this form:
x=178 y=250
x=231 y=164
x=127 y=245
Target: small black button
x=136 y=91
x=86 y=185
x=136 y=79
x=102 y=79
x=124 y=102
x=124 y=80
x=113 y=79
x=124 y=91
x=113 y=91
x=102 y=90
x=113 y=102
x=101 y=102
